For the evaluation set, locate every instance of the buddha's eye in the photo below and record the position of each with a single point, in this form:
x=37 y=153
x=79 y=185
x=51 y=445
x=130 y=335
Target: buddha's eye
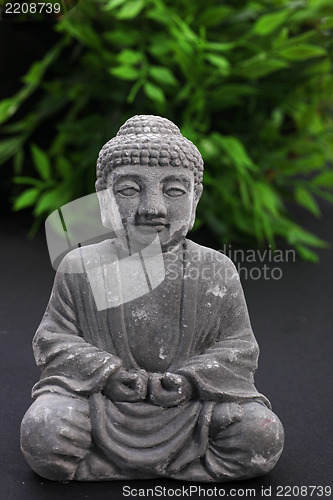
x=128 y=189
x=174 y=191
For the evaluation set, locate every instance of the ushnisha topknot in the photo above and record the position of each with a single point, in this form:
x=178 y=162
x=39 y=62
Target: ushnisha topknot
x=148 y=140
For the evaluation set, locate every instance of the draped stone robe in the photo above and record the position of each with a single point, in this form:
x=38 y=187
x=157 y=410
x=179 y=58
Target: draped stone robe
x=195 y=323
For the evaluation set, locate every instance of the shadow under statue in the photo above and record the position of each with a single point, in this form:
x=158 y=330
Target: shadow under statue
x=146 y=349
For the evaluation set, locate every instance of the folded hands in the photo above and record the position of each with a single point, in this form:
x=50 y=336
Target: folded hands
x=167 y=389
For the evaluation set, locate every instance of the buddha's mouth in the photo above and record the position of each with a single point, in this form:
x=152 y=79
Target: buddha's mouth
x=152 y=225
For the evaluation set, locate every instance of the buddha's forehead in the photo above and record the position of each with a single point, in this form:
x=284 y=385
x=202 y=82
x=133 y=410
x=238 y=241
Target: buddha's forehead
x=150 y=174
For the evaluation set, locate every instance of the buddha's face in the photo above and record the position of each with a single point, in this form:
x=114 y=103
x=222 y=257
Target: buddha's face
x=153 y=200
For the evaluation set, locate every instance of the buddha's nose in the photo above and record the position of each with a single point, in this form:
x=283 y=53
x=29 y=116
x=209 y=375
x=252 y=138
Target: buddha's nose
x=152 y=204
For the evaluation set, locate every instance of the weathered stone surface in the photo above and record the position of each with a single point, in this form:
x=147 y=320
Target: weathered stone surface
x=146 y=348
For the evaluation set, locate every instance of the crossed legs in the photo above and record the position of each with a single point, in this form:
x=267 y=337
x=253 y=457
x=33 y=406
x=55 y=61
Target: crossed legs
x=56 y=440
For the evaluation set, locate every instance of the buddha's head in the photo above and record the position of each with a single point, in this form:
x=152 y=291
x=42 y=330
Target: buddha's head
x=149 y=181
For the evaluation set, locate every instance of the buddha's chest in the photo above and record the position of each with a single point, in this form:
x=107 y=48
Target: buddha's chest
x=153 y=325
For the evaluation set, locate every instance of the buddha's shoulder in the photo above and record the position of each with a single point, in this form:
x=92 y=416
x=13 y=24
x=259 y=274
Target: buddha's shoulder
x=79 y=259
x=208 y=255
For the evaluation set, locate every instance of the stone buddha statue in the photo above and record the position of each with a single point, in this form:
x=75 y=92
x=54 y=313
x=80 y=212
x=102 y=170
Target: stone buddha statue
x=146 y=350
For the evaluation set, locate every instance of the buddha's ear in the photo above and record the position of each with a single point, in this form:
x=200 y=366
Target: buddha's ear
x=104 y=205
x=197 y=195
x=198 y=192
x=109 y=210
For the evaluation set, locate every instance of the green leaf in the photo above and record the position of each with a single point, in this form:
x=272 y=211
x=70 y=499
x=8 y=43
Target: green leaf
x=64 y=167
x=27 y=180
x=37 y=69
x=281 y=37
x=131 y=9
x=307 y=254
x=49 y=201
x=128 y=57
x=269 y=22
x=41 y=162
x=187 y=33
x=268 y=197
x=318 y=66
x=113 y=4
x=258 y=221
x=324 y=179
x=308 y=163
x=26 y=199
x=162 y=75
x=296 y=235
x=125 y=72
x=236 y=151
x=212 y=16
x=220 y=62
x=220 y=46
x=35 y=73
x=302 y=51
x=9 y=147
x=306 y=200
x=154 y=93
x=82 y=32
x=122 y=38
x=259 y=66
x=285 y=39
x=267 y=227
x=244 y=192
x=160 y=15
x=134 y=90
x=7 y=109
x=159 y=47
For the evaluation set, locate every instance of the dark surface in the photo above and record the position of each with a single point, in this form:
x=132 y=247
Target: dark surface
x=293 y=322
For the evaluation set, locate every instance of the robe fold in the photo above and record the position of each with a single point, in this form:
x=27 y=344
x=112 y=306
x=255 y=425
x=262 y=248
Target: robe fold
x=210 y=341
